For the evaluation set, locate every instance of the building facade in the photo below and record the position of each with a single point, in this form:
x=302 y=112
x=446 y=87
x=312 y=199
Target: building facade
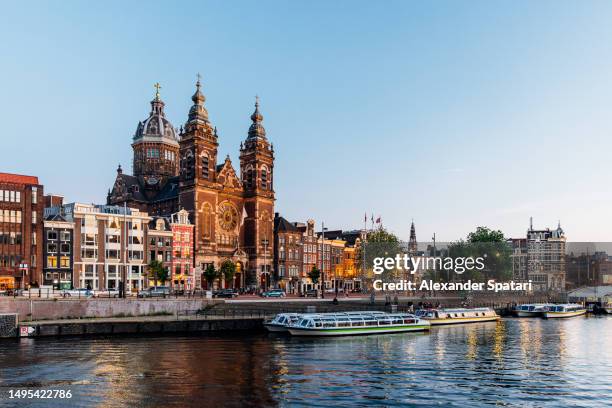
x=159 y=248
x=21 y=230
x=287 y=255
x=58 y=251
x=109 y=245
x=546 y=259
x=231 y=212
x=182 y=269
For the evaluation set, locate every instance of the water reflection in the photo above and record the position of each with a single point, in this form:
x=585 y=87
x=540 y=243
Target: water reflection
x=513 y=361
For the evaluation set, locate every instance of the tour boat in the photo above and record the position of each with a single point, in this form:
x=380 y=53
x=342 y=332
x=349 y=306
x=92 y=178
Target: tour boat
x=566 y=310
x=532 y=310
x=281 y=321
x=455 y=316
x=342 y=324
x=607 y=308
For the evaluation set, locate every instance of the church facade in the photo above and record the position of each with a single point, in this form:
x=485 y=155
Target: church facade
x=233 y=213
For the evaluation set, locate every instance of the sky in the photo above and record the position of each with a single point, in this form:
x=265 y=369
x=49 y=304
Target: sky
x=455 y=114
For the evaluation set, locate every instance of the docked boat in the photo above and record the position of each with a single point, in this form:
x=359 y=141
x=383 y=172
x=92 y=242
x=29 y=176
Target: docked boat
x=281 y=321
x=460 y=315
x=607 y=308
x=353 y=323
x=566 y=310
x=532 y=310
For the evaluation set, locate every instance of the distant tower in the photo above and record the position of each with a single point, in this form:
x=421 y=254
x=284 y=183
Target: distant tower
x=412 y=243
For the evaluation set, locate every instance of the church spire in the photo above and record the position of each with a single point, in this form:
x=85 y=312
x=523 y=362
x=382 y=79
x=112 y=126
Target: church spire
x=412 y=243
x=198 y=112
x=256 y=130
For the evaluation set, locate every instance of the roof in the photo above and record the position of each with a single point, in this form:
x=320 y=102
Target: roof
x=169 y=191
x=281 y=224
x=18 y=178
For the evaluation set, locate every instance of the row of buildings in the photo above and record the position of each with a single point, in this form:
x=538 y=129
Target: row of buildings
x=179 y=206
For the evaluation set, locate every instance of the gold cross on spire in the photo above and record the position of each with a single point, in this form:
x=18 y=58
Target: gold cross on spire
x=256 y=100
x=157 y=87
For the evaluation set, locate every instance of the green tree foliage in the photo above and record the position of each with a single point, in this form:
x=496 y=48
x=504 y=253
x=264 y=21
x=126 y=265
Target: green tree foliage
x=157 y=271
x=314 y=274
x=380 y=243
x=228 y=270
x=210 y=274
x=486 y=243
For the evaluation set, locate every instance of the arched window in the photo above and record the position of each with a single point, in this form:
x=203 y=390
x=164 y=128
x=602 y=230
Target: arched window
x=205 y=164
x=264 y=178
x=207 y=221
x=248 y=177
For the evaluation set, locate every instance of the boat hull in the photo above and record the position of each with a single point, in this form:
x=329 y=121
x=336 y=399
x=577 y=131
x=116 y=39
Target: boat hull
x=352 y=331
x=276 y=328
x=608 y=310
x=558 y=315
x=525 y=313
x=460 y=320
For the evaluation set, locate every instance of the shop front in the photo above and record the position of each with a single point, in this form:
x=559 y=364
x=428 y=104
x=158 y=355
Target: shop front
x=7 y=283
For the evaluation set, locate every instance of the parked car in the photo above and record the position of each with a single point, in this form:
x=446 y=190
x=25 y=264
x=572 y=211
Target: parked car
x=107 y=293
x=159 y=291
x=225 y=293
x=77 y=293
x=311 y=293
x=273 y=293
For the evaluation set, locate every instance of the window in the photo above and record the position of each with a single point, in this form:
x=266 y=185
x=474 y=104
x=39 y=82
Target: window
x=281 y=270
x=51 y=235
x=205 y=167
x=64 y=262
x=51 y=262
x=18 y=197
x=33 y=237
x=51 y=247
x=64 y=248
x=264 y=178
x=65 y=236
x=34 y=195
x=34 y=220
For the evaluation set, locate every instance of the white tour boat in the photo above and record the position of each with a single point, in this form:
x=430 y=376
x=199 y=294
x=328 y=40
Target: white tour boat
x=460 y=315
x=281 y=321
x=532 y=310
x=566 y=310
x=342 y=324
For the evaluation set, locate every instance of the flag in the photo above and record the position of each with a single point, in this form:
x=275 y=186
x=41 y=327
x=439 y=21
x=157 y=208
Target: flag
x=372 y=217
x=365 y=217
x=378 y=220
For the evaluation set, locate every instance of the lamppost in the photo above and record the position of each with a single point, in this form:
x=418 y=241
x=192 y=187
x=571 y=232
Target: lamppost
x=323 y=229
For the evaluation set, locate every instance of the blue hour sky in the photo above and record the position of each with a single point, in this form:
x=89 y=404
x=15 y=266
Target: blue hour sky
x=456 y=114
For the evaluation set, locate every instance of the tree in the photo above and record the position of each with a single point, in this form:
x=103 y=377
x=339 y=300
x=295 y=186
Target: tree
x=379 y=243
x=314 y=274
x=158 y=271
x=490 y=245
x=210 y=274
x=228 y=270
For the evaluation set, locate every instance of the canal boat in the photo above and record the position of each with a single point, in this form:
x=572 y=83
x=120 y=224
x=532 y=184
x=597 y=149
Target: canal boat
x=343 y=324
x=281 y=321
x=532 y=310
x=565 y=310
x=460 y=315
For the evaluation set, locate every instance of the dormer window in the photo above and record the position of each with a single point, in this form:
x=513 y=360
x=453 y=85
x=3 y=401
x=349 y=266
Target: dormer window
x=264 y=178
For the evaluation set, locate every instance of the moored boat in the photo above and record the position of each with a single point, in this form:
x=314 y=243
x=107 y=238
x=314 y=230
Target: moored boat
x=532 y=310
x=342 y=324
x=281 y=321
x=459 y=315
x=565 y=310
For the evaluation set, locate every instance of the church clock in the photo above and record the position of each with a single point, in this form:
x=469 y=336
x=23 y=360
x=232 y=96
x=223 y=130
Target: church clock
x=228 y=217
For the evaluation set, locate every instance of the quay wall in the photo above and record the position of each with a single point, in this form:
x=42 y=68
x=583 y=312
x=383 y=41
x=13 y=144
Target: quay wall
x=141 y=326
x=42 y=309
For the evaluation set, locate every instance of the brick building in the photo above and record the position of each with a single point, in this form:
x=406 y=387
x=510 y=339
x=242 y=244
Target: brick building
x=231 y=213
x=287 y=255
x=21 y=230
x=58 y=250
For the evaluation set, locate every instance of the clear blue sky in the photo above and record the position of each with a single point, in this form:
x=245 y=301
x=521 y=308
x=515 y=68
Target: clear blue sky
x=456 y=114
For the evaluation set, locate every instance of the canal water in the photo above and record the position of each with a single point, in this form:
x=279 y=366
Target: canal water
x=514 y=362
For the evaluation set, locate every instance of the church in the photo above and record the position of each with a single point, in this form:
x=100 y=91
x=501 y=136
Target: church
x=175 y=169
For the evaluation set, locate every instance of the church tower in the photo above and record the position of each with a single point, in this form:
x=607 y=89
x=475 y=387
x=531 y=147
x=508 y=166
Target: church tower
x=412 y=243
x=257 y=174
x=156 y=149
x=198 y=166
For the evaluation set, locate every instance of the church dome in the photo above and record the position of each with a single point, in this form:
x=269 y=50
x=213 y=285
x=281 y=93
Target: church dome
x=156 y=127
